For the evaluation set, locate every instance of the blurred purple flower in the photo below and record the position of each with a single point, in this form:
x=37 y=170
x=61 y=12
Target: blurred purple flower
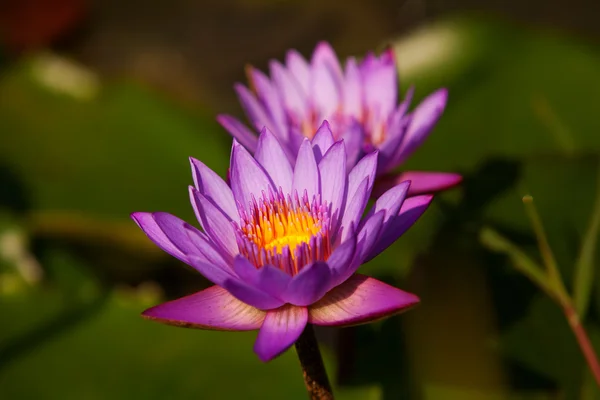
x=360 y=103
x=282 y=244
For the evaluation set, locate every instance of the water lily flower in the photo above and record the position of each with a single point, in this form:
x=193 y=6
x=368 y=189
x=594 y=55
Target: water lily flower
x=360 y=103
x=282 y=242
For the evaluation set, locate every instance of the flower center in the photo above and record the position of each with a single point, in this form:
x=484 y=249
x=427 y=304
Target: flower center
x=285 y=232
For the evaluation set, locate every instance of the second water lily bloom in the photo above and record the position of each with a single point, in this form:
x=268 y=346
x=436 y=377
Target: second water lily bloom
x=360 y=101
x=282 y=242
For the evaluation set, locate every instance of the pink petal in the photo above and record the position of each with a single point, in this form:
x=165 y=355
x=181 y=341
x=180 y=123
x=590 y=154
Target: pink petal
x=360 y=300
x=422 y=182
x=212 y=308
x=280 y=329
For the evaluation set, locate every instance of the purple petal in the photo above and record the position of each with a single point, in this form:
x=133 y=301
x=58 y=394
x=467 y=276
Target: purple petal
x=256 y=112
x=248 y=178
x=342 y=259
x=212 y=308
x=280 y=329
x=290 y=91
x=365 y=239
x=306 y=173
x=423 y=119
x=251 y=295
x=391 y=201
x=322 y=140
x=151 y=228
x=299 y=68
x=267 y=278
x=324 y=54
x=269 y=96
x=239 y=131
x=422 y=182
x=410 y=212
x=365 y=168
x=332 y=169
x=369 y=234
x=354 y=138
x=214 y=222
x=353 y=95
x=171 y=234
x=213 y=187
x=379 y=77
x=354 y=210
x=212 y=254
x=309 y=285
x=271 y=156
x=360 y=300
x=324 y=90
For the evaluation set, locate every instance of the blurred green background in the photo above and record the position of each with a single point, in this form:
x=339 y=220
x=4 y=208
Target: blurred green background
x=102 y=103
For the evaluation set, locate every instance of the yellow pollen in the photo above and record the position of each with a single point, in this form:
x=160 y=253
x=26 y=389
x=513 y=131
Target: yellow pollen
x=276 y=230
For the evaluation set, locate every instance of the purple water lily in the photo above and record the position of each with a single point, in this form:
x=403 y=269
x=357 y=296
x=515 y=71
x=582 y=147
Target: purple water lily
x=360 y=103
x=282 y=243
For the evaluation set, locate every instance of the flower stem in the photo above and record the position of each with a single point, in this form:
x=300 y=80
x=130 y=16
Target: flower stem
x=584 y=341
x=313 y=369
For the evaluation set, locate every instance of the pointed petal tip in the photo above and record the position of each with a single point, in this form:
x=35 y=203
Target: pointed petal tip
x=360 y=300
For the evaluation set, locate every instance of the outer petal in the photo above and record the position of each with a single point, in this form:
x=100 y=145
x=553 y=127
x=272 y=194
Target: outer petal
x=212 y=308
x=322 y=140
x=215 y=223
x=360 y=300
x=268 y=278
x=410 y=211
x=422 y=122
x=309 y=285
x=422 y=182
x=248 y=178
x=280 y=329
x=213 y=187
x=332 y=169
x=255 y=111
x=271 y=156
x=239 y=131
x=306 y=173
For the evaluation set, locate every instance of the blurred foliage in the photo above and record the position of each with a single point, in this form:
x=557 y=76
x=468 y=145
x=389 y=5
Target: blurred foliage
x=78 y=155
